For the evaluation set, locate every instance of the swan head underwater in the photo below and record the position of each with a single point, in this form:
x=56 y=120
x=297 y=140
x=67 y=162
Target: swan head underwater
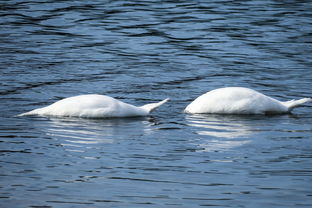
x=240 y=100
x=94 y=106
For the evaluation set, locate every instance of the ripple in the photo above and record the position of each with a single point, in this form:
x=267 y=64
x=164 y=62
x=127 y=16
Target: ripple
x=228 y=132
x=141 y=52
x=77 y=135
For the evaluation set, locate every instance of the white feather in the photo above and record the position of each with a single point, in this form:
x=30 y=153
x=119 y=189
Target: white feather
x=239 y=100
x=93 y=106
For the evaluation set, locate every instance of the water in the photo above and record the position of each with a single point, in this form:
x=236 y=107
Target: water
x=140 y=53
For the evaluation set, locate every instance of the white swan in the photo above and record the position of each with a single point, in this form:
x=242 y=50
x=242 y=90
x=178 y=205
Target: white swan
x=239 y=100
x=94 y=106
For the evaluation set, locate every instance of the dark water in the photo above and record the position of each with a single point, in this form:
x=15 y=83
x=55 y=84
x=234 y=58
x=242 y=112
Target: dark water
x=143 y=52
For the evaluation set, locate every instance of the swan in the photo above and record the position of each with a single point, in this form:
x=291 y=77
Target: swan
x=240 y=100
x=94 y=106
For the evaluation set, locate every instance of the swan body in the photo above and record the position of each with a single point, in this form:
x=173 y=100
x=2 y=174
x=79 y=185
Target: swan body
x=93 y=106
x=239 y=100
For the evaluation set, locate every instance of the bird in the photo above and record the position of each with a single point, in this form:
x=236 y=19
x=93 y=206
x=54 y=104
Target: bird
x=93 y=106
x=240 y=100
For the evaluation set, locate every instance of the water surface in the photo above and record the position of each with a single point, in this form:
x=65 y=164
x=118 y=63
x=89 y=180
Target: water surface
x=143 y=52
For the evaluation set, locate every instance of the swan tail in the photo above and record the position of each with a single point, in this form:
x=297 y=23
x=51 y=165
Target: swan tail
x=152 y=106
x=295 y=103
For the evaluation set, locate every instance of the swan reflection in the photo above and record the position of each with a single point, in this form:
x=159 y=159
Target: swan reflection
x=226 y=132
x=77 y=134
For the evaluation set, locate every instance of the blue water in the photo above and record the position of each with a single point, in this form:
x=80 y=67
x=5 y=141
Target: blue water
x=142 y=52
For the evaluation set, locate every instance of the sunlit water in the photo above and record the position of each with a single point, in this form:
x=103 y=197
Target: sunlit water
x=141 y=53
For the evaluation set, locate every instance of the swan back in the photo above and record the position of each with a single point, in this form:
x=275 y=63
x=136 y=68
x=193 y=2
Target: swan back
x=89 y=106
x=235 y=100
x=94 y=106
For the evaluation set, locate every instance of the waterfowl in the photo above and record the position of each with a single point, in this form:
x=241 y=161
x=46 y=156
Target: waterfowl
x=240 y=100
x=94 y=106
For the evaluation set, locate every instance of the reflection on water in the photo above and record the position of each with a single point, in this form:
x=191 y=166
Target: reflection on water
x=220 y=126
x=227 y=131
x=221 y=145
x=76 y=134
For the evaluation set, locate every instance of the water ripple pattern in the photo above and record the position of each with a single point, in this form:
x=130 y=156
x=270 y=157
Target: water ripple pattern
x=142 y=52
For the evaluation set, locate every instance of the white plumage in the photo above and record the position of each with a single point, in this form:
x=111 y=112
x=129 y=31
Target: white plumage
x=94 y=106
x=239 y=100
